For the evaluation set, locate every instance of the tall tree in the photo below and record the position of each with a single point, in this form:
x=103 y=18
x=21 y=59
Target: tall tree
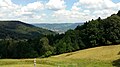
x=118 y=13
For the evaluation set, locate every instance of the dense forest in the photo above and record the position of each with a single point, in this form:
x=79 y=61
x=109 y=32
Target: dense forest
x=20 y=30
x=99 y=32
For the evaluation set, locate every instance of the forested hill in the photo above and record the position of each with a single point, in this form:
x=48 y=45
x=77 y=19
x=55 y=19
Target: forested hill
x=20 y=30
x=94 y=33
x=99 y=32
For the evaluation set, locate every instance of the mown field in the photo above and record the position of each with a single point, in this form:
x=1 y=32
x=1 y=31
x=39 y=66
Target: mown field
x=105 y=56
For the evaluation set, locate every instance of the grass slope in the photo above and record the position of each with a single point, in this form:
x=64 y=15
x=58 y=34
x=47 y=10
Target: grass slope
x=104 y=56
x=98 y=53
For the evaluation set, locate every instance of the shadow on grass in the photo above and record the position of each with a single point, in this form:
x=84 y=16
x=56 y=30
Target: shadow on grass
x=119 y=53
x=116 y=63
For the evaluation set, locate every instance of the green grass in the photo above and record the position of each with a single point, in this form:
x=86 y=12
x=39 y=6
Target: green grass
x=93 y=57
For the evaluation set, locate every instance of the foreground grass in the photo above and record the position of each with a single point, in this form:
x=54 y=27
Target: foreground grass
x=93 y=57
x=55 y=62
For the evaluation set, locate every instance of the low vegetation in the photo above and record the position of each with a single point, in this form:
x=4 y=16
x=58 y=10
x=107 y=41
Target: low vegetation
x=104 y=56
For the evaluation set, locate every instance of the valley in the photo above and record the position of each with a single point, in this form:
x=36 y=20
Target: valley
x=59 y=33
x=58 y=27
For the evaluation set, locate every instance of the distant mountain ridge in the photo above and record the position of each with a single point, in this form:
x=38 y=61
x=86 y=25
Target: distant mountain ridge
x=18 y=29
x=58 y=27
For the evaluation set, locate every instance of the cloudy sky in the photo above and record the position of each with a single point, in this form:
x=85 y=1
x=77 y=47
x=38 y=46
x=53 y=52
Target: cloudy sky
x=57 y=11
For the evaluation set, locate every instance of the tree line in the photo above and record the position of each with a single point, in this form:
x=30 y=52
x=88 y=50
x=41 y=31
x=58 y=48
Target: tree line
x=99 y=32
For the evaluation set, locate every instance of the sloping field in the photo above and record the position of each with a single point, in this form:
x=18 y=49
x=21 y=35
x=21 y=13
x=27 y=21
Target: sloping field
x=98 y=53
x=104 y=56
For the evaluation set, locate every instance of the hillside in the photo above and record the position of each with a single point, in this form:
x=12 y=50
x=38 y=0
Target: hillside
x=104 y=56
x=58 y=27
x=18 y=29
x=98 y=53
x=94 y=33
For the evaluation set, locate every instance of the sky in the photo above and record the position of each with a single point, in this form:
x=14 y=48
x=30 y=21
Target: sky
x=57 y=11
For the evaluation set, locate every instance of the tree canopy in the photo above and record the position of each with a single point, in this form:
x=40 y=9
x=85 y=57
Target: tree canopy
x=99 y=32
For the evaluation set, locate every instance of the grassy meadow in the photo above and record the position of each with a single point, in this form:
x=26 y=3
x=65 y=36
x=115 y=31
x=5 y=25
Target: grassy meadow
x=104 y=56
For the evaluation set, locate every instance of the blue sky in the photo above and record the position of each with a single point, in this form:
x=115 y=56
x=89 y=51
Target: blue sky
x=69 y=3
x=116 y=1
x=57 y=11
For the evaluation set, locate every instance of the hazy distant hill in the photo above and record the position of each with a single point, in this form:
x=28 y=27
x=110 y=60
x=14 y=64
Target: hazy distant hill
x=18 y=29
x=58 y=27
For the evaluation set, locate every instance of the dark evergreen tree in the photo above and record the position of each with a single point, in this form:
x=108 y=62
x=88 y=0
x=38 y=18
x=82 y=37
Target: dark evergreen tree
x=118 y=13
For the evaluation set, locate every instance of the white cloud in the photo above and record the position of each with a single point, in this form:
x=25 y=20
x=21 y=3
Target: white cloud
x=33 y=6
x=7 y=9
x=56 y=4
x=83 y=10
x=70 y=16
x=75 y=8
x=95 y=8
x=90 y=2
x=30 y=10
x=11 y=11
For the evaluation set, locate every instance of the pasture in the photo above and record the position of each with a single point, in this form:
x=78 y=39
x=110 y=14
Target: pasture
x=104 y=56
